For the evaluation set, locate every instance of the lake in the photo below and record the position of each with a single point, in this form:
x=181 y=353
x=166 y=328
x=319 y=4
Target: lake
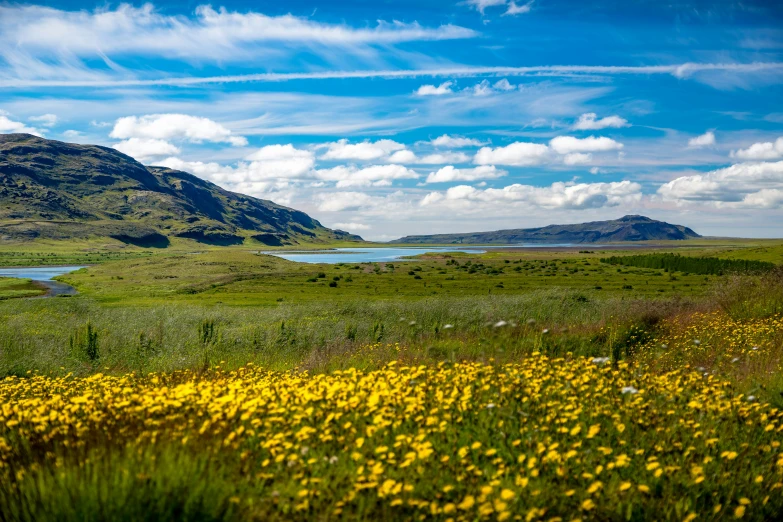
x=364 y=255
x=38 y=273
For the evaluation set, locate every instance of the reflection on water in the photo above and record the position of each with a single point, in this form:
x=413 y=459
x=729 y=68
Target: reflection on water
x=38 y=273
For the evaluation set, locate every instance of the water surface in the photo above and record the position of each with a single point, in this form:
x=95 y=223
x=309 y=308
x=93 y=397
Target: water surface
x=365 y=255
x=37 y=273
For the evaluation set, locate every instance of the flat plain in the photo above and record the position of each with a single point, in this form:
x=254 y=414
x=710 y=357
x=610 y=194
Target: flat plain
x=207 y=383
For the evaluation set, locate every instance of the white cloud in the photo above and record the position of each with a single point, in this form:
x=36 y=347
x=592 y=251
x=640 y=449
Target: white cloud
x=11 y=126
x=174 y=127
x=432 y=90
x=555 y=196
x=47 y=120
x=280 y=162
x=568 y=144
x=340 y=201
x=72 y=134
x=761 y=151
x=681 y=71
x=483 y=88
x=517 y=154
x=577 y=158
x=146 y=150
x=375 y=175
x=403 y=156
x=742 y=185
x=455 y=142
x=481 y=5
x=365 y=151
x=589 y=121
x=514 y=9
x=705 y=140
x=352 y=227
x=503 y=85
x=41 y=35
x=439 y=158
x=450 y=173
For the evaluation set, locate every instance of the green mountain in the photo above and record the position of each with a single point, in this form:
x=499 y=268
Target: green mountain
x=627 y=228
x=55 y=190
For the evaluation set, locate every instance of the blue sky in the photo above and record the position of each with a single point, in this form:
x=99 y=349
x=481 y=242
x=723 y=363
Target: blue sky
x=389 y=118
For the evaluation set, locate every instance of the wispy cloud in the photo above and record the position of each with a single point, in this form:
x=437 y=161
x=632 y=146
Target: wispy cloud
x=681 y=71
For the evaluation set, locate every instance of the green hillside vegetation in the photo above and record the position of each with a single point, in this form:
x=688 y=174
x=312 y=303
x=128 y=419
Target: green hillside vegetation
x=693 y=265
x=51 y=190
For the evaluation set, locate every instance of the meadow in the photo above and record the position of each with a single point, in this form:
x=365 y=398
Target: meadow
x=220 y=384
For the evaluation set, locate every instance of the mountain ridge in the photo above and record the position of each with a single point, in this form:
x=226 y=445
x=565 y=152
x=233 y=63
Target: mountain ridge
x=627 y=228
x=57 y=190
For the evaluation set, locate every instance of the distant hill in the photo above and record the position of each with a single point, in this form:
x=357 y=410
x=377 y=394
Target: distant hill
x=627 y=228
x=55 y=190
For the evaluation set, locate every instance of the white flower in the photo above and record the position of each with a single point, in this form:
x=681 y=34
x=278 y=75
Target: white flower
x=629 y=389
x=531 y=321
x=755 y=348
x=735 y=359
x=448 y=326
x=500 y=324
x=664 y=346
x=490 y=406
x=600 y=360
x=751 y=398
x=412 y=323
x=545 y=331
x=696 y=342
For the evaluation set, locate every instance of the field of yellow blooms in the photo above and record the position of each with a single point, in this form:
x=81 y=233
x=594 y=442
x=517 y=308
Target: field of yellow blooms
x=716 y=342
x=543 y=439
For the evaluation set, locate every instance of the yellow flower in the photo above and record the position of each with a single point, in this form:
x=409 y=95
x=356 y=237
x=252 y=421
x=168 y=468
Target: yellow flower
x=507 y=494
x=588 y=504
x=467 y=503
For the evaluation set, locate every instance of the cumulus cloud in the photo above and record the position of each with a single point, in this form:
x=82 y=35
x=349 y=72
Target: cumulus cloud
x=340 y=201
x=517 y=154
x=590 y=121
x=365 y=151
x=8 y=125
x=352 y=227
x=569 y=144
x=174 y=127
x=761 y=151
x=280 y=161
x=577 y=158
x=146 y=150
x=450 y=173
x=433 y=90
x=72 y=134
x=575 y=151
x=705 y=140
x=375 y=175
x=403 y=156
x=754 y=185
x=440 y=158
x=555 y=196
x=47 y=120
x=455 y=142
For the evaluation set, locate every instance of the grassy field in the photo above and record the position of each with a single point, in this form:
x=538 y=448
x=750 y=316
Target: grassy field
x=11 y=288
x=220 y=384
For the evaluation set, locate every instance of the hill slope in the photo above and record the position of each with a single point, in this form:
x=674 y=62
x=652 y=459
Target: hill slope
x=627 y=228
x=58 y=190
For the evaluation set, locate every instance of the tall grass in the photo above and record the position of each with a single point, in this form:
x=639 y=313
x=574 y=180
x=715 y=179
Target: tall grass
x=39 y=335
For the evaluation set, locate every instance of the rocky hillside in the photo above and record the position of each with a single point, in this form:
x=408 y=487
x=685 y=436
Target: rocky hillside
x=55 y=190
x=627 y=228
